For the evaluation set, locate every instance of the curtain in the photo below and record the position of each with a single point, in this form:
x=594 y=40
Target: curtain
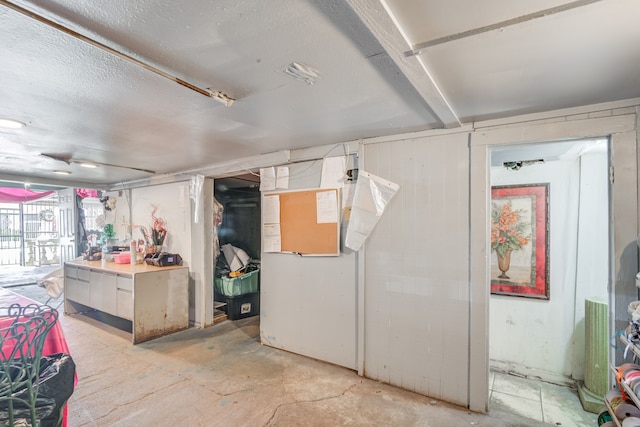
x=18 y=195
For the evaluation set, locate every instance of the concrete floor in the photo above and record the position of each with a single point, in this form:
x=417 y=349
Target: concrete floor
x=223 y=376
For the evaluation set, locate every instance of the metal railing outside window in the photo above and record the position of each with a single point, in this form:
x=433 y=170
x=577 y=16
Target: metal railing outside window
x=29 y=233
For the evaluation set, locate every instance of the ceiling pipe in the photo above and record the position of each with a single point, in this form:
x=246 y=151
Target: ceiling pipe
x=208 y=92
x=418 y=47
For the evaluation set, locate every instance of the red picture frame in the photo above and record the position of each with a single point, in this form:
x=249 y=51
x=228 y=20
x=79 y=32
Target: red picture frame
x=520 y=240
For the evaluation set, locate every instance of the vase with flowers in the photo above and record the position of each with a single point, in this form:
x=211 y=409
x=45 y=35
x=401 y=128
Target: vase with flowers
x=508 y=234
x=154 y=235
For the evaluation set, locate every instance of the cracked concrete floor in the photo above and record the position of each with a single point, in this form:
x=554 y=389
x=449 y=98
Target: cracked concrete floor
x=222 y=375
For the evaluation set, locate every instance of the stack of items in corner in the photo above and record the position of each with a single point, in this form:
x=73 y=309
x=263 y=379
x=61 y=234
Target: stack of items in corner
x=237 y=284
x=622 y=403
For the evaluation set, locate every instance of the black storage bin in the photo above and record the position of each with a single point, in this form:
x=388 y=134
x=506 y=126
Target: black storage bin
x=241 y=306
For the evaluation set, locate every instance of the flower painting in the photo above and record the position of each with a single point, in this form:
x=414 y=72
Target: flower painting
x=508 y=231
x=519 y=240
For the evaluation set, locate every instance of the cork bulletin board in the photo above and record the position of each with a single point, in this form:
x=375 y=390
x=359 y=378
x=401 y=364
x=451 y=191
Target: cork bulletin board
x=309 y=221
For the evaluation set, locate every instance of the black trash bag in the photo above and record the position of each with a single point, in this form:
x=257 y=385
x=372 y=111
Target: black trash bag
x=57 y=378
x=55 y=386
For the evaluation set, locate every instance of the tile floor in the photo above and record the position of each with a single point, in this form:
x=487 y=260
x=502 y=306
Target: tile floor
x=542 y=403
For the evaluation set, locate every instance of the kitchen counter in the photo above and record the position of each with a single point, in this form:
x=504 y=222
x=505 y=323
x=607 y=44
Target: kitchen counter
x=154 y=299
x=114 y=267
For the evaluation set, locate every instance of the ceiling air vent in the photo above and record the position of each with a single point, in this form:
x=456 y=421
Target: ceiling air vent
x=302 y=72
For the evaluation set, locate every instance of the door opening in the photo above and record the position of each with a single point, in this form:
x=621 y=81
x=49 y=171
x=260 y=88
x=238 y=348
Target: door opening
x=544 y=338
x=237 y=268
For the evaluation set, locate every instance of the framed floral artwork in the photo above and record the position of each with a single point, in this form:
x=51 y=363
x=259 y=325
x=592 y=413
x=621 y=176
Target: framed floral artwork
x=520 y=240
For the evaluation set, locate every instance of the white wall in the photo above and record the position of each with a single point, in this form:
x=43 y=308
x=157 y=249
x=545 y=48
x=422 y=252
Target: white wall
x=174 y=206
x=308 y=304
x=417 y=268
x=435 y=321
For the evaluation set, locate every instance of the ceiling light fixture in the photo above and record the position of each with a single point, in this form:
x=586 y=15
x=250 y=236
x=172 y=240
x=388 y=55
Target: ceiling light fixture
x=88 y=165
x=10 y=124
x=217 y=95
x=61 y=172
x=221 y=97
x=66 y=158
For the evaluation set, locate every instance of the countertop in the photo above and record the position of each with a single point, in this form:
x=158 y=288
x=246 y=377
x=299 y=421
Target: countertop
x=113 y=267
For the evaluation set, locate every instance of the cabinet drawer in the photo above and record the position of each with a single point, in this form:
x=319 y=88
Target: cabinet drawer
x=84 y=275
x=125 y=304
x=125 y=283
x=71 y=272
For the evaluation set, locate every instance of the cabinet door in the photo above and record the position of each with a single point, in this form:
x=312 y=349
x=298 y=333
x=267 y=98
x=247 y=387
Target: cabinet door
x=71 y=289
x=76 y=290
x=108 y=299
x=125 y=304
x=95 y=299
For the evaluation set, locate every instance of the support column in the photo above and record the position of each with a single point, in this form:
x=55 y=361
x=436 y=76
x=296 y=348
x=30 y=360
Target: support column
x=596 y=361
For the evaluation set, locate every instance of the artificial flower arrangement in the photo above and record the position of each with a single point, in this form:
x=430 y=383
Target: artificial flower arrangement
x=154 y=235
x=109 y=203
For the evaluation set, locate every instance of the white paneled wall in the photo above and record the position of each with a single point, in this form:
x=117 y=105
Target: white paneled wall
x=423 y=321
x=417 y=268
x=308 y=304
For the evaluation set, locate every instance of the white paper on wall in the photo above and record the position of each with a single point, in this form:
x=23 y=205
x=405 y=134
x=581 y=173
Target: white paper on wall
x=282 y=177
x=271 y=209
x=333 y=172
x=267 y=179
x=370 y=199
x=326 y=207
x=272 y=238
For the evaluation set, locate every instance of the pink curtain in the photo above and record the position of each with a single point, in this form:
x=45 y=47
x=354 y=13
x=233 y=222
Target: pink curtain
x=17 y=195
x=83 y=192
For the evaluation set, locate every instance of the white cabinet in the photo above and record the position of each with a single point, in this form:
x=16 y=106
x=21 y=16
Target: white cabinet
x=76 y=284
x=154 y=299
x=124 y=297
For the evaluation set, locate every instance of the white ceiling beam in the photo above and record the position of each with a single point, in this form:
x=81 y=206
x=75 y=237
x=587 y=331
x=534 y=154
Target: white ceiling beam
x=384 y=28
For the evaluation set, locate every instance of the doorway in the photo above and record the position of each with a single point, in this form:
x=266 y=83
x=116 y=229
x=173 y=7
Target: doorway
x=544 y=338
x=237 y=267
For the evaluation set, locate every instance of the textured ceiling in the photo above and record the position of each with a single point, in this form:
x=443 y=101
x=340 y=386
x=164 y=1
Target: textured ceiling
x=99 y=83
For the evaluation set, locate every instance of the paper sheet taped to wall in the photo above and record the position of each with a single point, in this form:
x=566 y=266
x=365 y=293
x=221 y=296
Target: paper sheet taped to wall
x=271 y=223
x=369 y=201
x=326 y=207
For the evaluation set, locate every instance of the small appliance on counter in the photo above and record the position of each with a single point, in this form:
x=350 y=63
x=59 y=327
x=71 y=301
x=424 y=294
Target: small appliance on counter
x=163 y=259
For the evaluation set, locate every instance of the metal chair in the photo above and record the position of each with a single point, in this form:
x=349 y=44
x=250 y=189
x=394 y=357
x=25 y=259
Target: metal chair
x=23 y=330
